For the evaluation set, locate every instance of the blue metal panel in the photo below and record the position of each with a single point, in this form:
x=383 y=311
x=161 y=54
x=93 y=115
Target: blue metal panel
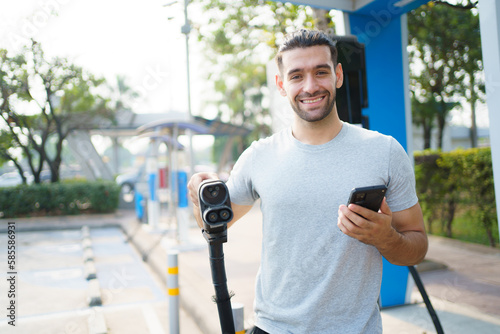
x=381 y=34
x=139 y=205
x=394 y=285
x=152 y=186
x=384 y=71
x=392 y=7
x=183 y=190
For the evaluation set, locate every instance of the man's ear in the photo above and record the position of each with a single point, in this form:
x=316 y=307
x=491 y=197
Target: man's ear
x=279 y=84
x=339 y=74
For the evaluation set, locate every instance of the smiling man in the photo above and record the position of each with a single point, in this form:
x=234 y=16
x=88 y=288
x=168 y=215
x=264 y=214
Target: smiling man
x=321 y=264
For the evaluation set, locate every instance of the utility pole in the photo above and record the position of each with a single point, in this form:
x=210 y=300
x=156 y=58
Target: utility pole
x=186 y=29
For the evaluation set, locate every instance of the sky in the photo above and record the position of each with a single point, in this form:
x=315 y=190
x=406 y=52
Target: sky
x=128 y=37
x=109 y=38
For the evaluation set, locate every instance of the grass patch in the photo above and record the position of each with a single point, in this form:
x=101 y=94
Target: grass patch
x=466 y=227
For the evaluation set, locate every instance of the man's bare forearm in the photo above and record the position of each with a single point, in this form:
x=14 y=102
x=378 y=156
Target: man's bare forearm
x=406 y=248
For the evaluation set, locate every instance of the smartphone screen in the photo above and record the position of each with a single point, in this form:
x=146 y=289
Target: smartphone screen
x=368 y=197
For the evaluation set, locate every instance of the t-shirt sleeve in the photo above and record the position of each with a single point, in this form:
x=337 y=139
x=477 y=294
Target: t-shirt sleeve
x=401 y=193
x=240 y=185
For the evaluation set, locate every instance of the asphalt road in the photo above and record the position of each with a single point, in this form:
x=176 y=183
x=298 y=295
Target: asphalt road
x=50 y=292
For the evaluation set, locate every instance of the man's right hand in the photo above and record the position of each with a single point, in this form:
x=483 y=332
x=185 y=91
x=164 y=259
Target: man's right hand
x=193 y=186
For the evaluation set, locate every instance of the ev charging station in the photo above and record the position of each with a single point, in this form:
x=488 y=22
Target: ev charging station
x=167 y=131
x=175 y=174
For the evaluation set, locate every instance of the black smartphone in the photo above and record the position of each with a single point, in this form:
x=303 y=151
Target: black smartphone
x=368 y=197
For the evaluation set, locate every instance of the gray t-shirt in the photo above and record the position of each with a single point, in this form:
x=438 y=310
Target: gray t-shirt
x=312 y=277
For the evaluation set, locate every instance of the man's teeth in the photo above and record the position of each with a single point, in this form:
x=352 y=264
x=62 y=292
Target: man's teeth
x=312 y=101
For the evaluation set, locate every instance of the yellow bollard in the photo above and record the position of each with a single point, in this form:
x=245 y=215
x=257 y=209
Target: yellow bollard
x=173 y=290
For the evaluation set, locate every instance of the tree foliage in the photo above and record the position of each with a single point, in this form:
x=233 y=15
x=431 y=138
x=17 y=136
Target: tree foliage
x=41 y=101
x=239 y=38
x=445 y=52
x=457 y=181
x=459 y=4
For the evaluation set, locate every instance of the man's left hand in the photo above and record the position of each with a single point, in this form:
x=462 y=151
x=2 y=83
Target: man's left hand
x=367 y=226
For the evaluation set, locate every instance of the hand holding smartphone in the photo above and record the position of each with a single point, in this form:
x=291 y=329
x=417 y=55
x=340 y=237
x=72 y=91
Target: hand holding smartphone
x=368 y=197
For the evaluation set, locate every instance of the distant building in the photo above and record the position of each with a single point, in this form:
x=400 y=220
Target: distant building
x=454 y=137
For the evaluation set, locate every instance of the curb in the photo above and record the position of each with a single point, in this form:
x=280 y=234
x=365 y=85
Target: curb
x=478 y=248
x=429 y=265
x=94 y=298
x=97 y=324
x=190 y=299
x=90 y=270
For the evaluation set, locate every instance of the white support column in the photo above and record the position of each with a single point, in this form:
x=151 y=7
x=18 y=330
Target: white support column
x=238 y=317
x=173 y=290
x=489 y=19
x=406 y=79
x=153 y=204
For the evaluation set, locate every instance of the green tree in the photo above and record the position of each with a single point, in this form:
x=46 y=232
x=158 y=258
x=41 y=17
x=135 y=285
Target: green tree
x=459 y=4
x=469 y=58
x=122 y=94
x=455 y=183
x=423 y=114
x=239 y=38
x=480 y=187
x=445 y=53
x=7 y=143
x=41 y=101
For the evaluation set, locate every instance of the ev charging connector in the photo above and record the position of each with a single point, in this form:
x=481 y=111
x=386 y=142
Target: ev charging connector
x=216 y=213
x=215 y=208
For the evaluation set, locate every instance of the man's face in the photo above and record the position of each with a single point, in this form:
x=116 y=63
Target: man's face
x=309 y=80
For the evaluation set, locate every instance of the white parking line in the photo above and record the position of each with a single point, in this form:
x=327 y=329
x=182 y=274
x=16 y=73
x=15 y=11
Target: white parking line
x=152 y=320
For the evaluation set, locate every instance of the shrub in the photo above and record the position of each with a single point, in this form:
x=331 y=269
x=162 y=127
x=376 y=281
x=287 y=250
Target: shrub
x=461 y=179
x=59 y=198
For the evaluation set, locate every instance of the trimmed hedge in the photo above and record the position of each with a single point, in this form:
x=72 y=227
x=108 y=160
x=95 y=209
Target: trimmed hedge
x=59 y=198
x=460 y=180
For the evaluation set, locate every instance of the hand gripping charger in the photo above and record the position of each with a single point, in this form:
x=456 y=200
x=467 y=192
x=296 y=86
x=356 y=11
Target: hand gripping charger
x=216 y=212
x=215 y=206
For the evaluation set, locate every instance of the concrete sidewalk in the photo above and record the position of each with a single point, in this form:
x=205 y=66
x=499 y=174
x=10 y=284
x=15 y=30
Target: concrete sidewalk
x=463 y=280
x=70 y=279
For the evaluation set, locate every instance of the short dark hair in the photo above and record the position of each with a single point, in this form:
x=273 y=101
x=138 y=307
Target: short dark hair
x=304 y=38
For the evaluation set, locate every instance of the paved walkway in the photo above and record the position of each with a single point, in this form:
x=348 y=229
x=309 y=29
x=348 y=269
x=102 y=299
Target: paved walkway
x=472 y=276
x=463 y=280
x=68 y=281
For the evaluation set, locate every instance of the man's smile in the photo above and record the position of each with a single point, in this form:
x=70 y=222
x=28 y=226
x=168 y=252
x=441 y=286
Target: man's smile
x=310 y=101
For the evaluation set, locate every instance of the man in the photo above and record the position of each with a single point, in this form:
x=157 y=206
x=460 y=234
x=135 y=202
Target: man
x=321 y=263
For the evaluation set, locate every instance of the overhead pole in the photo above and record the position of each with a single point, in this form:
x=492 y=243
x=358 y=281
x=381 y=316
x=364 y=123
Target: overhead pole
x=186 y=29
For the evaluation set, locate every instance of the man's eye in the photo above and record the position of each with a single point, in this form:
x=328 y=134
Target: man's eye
x=295 y=77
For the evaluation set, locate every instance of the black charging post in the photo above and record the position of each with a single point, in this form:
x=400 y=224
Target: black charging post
x=216 y=212
x=427 y=301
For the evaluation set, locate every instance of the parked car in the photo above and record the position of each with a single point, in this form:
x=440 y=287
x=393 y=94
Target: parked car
x=45 y=176
x=127 y=181
x=13 y=179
